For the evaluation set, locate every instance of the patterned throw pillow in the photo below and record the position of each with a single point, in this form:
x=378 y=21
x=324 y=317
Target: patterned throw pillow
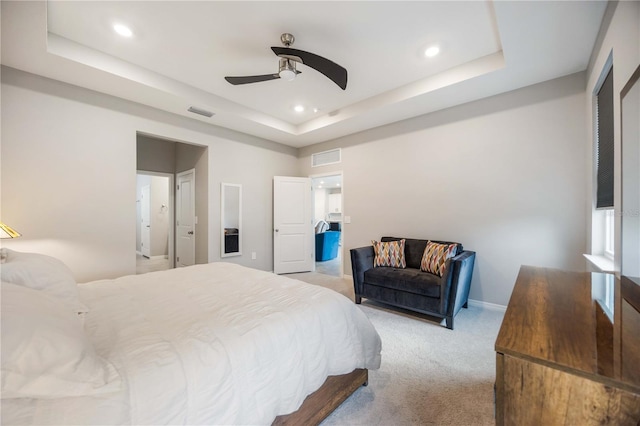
x=389 y=254
x=435 y=257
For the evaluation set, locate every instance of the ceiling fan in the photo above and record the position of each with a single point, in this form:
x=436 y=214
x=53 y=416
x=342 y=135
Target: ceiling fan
x=287 y=68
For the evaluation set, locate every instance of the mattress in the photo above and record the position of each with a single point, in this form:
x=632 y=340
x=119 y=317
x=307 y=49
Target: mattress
x=209 y=344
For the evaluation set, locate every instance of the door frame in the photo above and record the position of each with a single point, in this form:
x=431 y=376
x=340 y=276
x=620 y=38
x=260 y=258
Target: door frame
x=313 y=202
x=172 y=206
x=145 y=222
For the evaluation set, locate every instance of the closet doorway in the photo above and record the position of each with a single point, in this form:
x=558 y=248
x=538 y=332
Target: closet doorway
x=327 y=219
x=158 y=156
x=154 y=214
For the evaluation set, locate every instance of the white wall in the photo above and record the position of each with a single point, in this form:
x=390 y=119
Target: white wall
x=619 y=34
x=68 y=176
x=504 y=176
x=319 y=204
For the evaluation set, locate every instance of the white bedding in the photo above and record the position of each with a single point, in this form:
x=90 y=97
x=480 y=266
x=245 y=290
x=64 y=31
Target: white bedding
x=209 y=344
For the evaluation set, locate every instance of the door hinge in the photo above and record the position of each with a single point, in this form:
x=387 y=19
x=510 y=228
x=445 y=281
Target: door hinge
x=178 y=259
x=178 y=187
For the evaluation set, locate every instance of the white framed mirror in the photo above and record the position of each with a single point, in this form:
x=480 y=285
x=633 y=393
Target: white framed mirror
x=230 y=219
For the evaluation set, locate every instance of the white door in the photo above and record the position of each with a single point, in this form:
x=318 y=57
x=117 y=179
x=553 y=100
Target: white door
x=293 y=237
x=145 y=226
x=185 y=219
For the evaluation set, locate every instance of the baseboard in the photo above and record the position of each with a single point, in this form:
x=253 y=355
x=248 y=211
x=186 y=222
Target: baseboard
x=487 y=305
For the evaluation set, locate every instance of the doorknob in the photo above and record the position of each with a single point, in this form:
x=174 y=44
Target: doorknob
x=190 y=232
x=277 y=230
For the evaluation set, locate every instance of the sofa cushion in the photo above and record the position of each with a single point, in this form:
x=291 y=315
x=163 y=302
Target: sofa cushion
x=389 y=254
x=435 y=257
x=410 y=280
x=414 y=249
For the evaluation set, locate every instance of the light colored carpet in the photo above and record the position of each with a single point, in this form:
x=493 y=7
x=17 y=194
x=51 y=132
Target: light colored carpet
x=144 y=265
x=430 y=375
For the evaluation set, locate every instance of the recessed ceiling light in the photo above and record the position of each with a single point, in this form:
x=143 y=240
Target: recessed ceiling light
x=298 y=108
x=319 y=186
x=431 y=51
x=316 y=110
x=337 y=184
x=321 y=181
x=123 y=30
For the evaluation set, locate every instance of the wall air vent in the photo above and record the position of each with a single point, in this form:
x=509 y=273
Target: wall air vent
x=200 y=111
x=326 y=157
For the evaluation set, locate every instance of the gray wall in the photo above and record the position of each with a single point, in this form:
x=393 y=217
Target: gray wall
x=69 y=174
x=620 y=35
x=504 y=176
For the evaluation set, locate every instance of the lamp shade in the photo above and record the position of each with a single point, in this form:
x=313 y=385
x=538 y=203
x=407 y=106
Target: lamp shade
x=7 y=232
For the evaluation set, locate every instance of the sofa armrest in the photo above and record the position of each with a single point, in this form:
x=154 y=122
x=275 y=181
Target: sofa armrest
x=361 y=261
x=461 y=280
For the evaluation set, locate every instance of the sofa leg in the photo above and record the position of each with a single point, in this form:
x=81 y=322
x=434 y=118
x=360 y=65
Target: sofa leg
x=449 y=322
x=466 y=305
x=358 y=300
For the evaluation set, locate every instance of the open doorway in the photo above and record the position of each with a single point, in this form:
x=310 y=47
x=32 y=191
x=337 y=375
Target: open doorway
x=154 y=224
x=327 y=219
x=158 y=156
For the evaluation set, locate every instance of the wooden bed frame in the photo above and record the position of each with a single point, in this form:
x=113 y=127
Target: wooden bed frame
x=317 y=406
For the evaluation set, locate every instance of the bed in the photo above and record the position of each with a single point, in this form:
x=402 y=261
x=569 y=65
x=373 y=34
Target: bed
x=207 y=344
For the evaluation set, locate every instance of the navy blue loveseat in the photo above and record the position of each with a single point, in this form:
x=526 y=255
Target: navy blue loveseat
x=327 y=245
x=410 y=288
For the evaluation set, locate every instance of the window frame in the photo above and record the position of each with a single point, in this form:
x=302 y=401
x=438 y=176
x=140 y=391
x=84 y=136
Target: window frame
x=602 y=227
x=609 y=233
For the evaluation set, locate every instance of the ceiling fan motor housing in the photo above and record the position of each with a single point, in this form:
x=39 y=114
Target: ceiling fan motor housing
x=287 y=69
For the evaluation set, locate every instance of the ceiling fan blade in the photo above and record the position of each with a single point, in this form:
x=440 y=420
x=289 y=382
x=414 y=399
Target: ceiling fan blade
x=251 y=79
x=333 y=71
x=254 y=78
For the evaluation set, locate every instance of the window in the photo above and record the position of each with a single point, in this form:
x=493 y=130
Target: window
x=604 y=141
x=609 y=229
x=603 y=230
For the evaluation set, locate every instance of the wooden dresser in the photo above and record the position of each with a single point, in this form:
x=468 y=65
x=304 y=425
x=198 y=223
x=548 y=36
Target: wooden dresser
x=568 y=350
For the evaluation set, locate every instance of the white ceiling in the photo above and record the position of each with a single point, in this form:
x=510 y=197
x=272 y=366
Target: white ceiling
x=327 y=182
x=181 y=52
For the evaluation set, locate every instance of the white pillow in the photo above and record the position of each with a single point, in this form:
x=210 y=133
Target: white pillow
x=42 y=272
x=45 y=352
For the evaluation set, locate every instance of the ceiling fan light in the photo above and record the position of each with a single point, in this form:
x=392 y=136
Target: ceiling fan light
x=287 y=69
x=287 y=74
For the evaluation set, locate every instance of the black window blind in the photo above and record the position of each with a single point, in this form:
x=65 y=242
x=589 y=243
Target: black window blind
x=605 y=160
